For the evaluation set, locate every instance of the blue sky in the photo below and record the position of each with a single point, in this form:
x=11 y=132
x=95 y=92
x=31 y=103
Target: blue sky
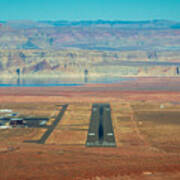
x=89 y=9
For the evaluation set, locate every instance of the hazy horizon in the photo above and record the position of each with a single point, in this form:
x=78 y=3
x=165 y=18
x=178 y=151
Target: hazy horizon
x=93 y=20
x=79 y=10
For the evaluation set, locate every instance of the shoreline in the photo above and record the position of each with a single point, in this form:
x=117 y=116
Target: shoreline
x=166 y=89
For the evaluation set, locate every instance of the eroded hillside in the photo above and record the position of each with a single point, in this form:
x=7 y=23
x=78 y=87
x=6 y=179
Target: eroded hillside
x=65 y=48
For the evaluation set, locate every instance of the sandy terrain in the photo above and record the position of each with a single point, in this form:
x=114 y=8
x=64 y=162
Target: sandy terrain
x=146 y=128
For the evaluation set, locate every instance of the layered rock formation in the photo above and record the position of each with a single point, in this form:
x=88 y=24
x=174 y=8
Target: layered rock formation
x=63 y=47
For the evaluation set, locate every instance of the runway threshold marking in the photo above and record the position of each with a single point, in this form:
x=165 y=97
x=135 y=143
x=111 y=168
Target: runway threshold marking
x=50 y=128
x=100 y=133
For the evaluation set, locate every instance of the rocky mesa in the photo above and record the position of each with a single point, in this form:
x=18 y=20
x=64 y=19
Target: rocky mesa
x=101 y=47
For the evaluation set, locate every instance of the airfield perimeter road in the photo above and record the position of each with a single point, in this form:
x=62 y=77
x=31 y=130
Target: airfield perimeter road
x=100 y=130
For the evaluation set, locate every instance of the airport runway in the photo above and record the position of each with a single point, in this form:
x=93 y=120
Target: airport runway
x=100 y=131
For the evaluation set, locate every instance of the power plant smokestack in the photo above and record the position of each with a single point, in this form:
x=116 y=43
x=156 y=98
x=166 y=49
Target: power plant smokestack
x=177 y=70
x=85 y=75
x=18 y=71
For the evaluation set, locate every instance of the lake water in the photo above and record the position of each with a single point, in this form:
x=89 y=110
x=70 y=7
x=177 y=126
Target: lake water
x=44 y=82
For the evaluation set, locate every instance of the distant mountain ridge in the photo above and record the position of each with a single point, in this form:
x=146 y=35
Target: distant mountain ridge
x=92 y=35
x=60 y=23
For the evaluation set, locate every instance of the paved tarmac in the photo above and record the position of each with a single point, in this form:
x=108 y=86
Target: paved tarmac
x=100 y=131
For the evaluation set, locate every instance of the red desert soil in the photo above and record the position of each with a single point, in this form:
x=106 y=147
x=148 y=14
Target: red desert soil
x=129 y=162
x=75 y=162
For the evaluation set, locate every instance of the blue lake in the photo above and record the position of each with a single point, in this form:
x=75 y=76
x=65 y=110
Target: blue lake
x=44 y=82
